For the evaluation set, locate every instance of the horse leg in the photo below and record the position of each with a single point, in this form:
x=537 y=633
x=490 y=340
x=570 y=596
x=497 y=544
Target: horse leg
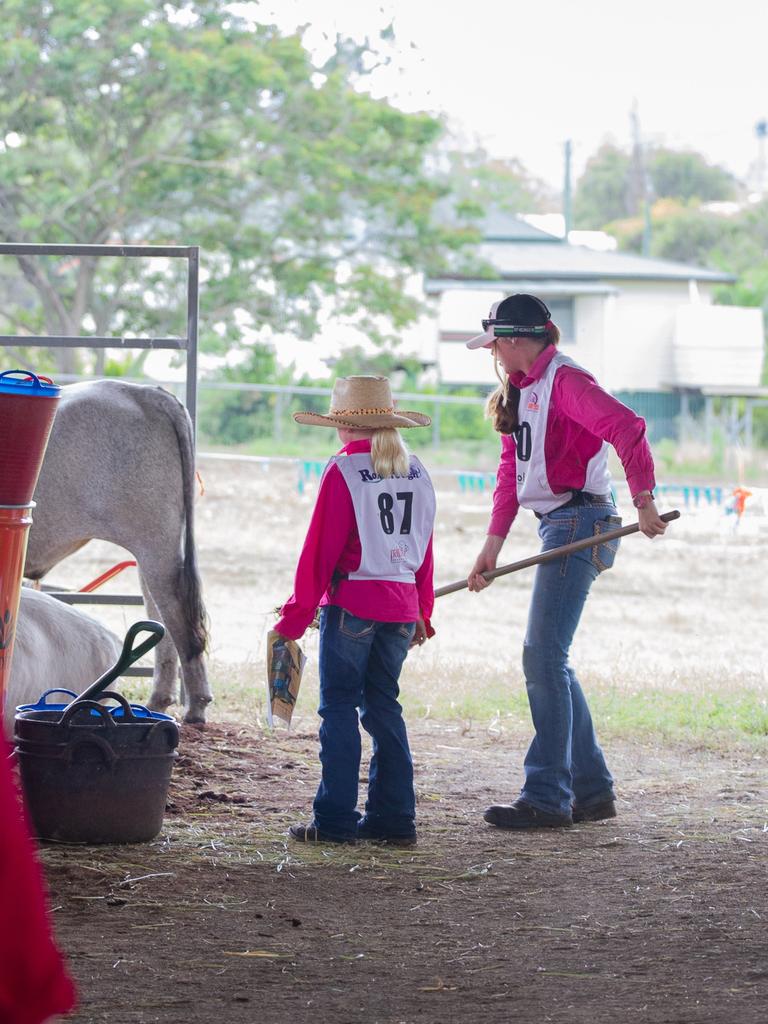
x=166 y=659
x=162 y=587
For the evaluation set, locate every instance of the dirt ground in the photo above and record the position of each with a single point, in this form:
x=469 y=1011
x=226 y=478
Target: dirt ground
x=658 y=916
x=681 y=612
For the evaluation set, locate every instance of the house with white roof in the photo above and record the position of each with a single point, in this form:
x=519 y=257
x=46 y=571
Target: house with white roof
x=643 y=326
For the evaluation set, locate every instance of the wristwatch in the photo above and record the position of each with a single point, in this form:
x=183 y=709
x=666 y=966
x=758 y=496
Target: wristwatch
x=643 y=499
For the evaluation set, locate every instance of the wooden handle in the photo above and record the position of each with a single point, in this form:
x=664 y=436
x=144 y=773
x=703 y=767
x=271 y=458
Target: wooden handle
x=548 y=556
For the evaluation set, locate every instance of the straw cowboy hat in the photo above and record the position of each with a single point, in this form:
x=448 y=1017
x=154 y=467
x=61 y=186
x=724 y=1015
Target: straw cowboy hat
x=363 y=403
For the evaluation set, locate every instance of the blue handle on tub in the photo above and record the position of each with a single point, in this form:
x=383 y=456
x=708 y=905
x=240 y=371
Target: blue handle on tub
x=42 y=702
x=30 y=383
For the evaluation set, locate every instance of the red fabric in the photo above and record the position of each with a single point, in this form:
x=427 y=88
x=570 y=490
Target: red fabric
x=740 y=496
x=581 y=416
x=332 y=543
x=34 y=984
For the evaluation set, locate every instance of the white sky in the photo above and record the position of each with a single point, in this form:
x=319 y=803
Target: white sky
x=521 y=77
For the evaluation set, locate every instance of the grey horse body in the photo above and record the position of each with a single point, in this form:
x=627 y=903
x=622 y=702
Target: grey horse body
x=55 y=647
x=120 y=467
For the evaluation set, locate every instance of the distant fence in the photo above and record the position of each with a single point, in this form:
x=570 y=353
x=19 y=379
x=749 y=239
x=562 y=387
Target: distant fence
x=707 y=420
x=237 y=413
x=241 y=413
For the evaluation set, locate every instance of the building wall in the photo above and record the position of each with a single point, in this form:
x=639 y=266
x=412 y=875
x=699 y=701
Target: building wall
x=626 y=336
x=589 y=321
x=640 y=331
x=718 y=346
x=460 y=311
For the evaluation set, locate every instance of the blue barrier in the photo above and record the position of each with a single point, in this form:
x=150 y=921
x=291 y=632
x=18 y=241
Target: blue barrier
x=475 y=482
x=309 y=468
x=693 y=493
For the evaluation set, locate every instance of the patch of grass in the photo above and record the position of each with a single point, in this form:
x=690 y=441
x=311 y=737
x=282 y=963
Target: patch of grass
x=683 y=714
x=476 y=698
x=707 y=717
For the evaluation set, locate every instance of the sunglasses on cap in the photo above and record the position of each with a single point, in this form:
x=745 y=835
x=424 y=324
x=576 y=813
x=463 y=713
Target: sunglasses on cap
x=505 y=328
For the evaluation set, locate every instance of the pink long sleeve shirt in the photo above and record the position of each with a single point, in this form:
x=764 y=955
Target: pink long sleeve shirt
x=332 y=545
x=581 y=416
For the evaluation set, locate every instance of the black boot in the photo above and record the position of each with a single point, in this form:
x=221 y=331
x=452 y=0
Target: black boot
x=595 y=812
x=524 y=815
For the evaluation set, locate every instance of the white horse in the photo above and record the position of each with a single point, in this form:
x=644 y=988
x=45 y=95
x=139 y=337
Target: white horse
x=120 y=467
x=55 y=647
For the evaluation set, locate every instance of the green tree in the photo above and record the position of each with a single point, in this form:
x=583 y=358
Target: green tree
x=601 y=191
x=479 y=182
x=680 y=231
x=136 y=122
x=403 y=369
x=606 y=192
x=237 y=416
x=684 y=175
x=689 y=235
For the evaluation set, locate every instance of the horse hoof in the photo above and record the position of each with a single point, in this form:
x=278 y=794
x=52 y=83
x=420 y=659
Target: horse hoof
x=160 y=704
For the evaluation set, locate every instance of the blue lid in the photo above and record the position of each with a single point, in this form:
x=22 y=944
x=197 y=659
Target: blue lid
x=27 y=383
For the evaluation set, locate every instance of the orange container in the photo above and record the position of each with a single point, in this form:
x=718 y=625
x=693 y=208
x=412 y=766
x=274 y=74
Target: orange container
x=15 y=521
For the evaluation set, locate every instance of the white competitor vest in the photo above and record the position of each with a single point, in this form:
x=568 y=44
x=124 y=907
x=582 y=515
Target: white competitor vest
x=533 y=489
x=394 y=517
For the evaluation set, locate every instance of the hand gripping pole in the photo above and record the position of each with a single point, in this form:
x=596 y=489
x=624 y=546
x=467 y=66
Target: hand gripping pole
x=548 y=556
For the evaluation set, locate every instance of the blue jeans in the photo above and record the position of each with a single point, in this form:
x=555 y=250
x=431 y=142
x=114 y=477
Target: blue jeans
x=564 y=764
x=360 y=663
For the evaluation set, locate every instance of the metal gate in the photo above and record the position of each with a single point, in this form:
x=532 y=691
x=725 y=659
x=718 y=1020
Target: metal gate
x=187 y=344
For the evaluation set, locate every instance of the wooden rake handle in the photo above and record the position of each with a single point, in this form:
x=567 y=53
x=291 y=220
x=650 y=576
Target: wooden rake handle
x=548 y=556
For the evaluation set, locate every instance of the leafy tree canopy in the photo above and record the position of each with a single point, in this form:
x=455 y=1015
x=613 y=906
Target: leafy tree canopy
x=680 y=231
x=404 y=371
x=479 y=182
x=604 y=192
x=135 y=122
x=686 y=175
x=600 y=195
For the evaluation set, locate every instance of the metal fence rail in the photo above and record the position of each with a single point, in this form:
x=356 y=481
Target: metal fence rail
x=187 y=344
x=711 y=421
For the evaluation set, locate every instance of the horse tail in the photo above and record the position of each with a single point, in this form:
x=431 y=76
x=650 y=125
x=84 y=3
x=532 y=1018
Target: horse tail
x=190 y=583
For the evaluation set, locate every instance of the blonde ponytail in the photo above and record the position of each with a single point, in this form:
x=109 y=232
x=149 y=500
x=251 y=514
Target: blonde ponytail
x=389 y=454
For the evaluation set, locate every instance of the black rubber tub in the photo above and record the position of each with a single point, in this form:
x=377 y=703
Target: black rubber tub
x=92 y=783
x=91 y=775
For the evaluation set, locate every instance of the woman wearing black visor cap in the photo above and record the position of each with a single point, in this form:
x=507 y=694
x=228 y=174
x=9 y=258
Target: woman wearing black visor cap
x=557 y=424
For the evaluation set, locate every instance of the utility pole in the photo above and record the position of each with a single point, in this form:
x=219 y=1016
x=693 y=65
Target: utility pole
x=640 y=190
x=647 y=226
x=567 y=189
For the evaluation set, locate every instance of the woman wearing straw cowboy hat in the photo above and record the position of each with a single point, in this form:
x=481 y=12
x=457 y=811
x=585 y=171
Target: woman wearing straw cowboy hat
x=559 y=422
x=367 y=560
